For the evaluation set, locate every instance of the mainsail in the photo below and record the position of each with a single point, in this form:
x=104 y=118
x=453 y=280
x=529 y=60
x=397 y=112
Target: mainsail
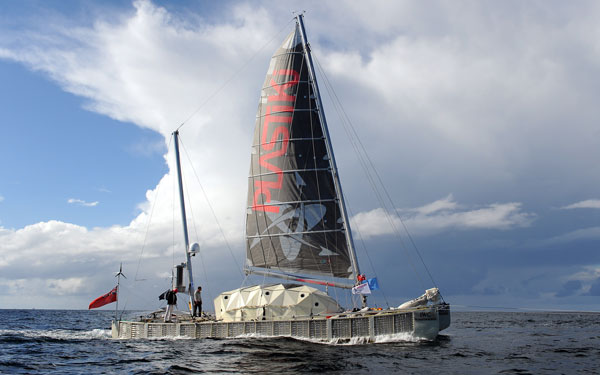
x=294 y=222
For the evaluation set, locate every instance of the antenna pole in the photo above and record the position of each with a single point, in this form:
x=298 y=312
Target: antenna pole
x=184 y=221
x=336 y=178
x=118 y=276
x=118 y=283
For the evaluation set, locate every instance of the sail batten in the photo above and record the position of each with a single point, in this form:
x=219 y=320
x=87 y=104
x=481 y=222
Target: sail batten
x=280 y=112
x=296 y=202
x=290 y=171
x=294 y=221
x=291 y=140
x=282 y=82
x=295 y=233
x=288 y=53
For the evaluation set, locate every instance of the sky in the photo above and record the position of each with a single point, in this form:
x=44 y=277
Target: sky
x=480 y=118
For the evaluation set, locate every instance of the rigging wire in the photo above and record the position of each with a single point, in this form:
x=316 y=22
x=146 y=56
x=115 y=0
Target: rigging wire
x=208 y=99
x=173 y=193
x=362 y=242
x=312 y=90
x=212 y=210
x=130 y=289
x=405 y=227
x=382 y=185
x=366 y=161
x=361 y=154
x=148 y=224
x=194 y=225
x=238 y=71
x=133 y=291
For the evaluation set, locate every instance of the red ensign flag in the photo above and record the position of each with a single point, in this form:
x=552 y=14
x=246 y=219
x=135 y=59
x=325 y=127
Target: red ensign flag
x=105 y=299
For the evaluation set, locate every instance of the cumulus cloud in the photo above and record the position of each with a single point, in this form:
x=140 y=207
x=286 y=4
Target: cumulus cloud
x=590 y=203
x=65 y=286
x=452 y=99
x=439 y=205
x=33 y=244
x=151 y=68
x=146 y=148
x=475 y=104
x=56 y=258
x=145 y=67
x=82 y=202
x=441 y=215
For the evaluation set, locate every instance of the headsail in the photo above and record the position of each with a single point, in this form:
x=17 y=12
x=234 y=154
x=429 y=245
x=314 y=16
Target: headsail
x=294 y=222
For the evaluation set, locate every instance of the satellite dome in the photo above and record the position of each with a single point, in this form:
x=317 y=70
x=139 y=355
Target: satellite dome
x=194 y=248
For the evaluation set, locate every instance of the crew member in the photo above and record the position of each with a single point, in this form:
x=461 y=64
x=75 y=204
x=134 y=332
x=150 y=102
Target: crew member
x=197 y=302
x=171 y=298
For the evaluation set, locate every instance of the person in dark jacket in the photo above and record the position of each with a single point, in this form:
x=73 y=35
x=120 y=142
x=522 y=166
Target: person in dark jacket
x=171 y=297
x=198 y=302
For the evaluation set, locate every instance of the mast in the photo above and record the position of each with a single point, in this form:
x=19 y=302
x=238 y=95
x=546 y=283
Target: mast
x=336 y=178
x=118 y=276
x=183 y=218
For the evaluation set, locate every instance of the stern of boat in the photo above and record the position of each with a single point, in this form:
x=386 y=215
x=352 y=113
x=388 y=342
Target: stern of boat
x=426 y=323
x=444 y=315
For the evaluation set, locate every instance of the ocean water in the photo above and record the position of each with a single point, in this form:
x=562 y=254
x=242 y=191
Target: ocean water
x=78 y=342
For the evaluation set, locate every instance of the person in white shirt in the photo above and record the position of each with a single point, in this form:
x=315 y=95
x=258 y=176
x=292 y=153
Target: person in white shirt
x=198 y=302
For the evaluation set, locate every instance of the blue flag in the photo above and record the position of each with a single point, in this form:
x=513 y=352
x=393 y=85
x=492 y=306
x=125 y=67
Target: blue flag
x=373 y=285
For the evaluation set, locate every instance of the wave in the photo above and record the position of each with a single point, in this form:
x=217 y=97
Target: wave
x=53 y=334
x=380 y=339
x=167 y=338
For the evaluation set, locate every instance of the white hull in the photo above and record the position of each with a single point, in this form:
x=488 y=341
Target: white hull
x=420 y=323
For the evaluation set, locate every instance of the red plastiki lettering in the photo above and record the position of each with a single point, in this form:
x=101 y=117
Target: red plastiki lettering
x=278 y=117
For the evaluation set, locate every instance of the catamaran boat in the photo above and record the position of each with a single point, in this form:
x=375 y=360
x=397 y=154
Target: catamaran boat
x=297 y=230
